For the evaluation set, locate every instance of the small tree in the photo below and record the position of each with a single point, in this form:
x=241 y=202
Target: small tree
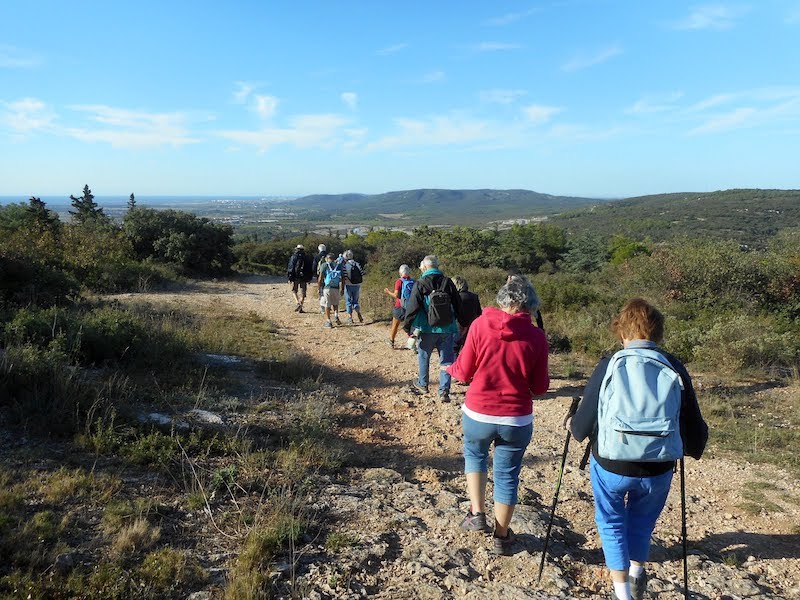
x=131 y=202
x=43 y=219
x=87 y=211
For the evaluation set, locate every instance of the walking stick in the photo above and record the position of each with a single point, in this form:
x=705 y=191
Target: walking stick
x=572 y=408
x=683 y=533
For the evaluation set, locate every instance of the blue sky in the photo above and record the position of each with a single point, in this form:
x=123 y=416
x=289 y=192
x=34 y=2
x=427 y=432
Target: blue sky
x=583 y=97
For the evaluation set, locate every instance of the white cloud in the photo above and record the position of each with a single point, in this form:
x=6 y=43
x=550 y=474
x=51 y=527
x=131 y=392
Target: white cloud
x=15 y=58
x=712 y=16
x=392 y=49
x=123 y=128
x=495 y=46
x=537 y=114
x=509 y=18
x=735 y=119
x=432 y=77
x=26 y=116
x=350 y=99
x=266 y=106
x=583 y=61
x=500 y=96
x=437 y=131
x=242 y=92
x=303 y=131
x=654 y=104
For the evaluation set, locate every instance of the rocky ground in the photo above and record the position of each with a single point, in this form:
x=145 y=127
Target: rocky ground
x=399 y=503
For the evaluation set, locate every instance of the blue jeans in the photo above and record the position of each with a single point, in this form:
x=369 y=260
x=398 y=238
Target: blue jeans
x=626 y=510
x=443 y=342
x=510 y=443
x=351 y=297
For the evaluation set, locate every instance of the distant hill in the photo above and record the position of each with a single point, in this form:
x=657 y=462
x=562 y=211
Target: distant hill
x=434 y=206
x=745 y=215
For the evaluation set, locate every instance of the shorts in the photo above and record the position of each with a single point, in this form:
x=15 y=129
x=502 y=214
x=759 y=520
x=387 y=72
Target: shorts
x=331 y=296
x=399 y=313
x=301 y=285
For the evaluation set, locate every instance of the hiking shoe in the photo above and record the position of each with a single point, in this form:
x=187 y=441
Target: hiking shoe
x=391 y=343
x=638 y=585
x=338 y=322
x=328 y=325
x=350 y=320
x=418 y=389
x=298 y=308
x=475 y=522
x=502 y=546
x=443 y=396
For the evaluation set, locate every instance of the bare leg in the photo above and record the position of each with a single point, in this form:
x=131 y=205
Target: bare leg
x=395 y=327
x=502 y=518
x=476 y=488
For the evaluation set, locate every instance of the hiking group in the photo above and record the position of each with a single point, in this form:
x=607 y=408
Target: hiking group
x=639 y=410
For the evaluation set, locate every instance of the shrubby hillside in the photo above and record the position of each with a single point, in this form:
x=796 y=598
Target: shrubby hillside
x=746 y=216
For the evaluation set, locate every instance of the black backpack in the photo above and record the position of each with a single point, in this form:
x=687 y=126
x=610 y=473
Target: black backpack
x=440 y=306
x=356 y=276
x=302 y=268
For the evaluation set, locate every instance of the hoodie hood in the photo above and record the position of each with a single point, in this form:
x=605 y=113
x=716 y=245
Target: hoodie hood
x=508 y=327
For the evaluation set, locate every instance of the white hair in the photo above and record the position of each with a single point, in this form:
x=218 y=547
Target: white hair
x=519 y=293
x=348 y=254
x=430 y=261
x=322 y=247
x=404 y=270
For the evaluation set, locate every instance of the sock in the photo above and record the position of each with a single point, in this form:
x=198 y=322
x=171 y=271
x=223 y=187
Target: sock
x=622 y=590
x=635 y=570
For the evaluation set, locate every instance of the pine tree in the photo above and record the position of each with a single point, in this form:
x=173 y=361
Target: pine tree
x=87 y=210
x=131 y=202
x=43 y=219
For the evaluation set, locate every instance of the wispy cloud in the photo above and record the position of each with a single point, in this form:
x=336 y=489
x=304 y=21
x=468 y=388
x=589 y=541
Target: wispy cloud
x=432 y=77
x=584 y=61
x=266 y=106
x=509 y=18
x=712 y=16
x=651 y=104
x=350 y=100
x=442 y=130
x=500 y=96
x=25 y=116
x=123 y=128
x=393 y=49
x=495 y=47
x=12 y=57
x=242 y=91
x=537 y=114
x=302 y=131
x=770 y=108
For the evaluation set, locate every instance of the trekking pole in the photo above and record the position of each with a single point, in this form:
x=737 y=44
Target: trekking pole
x=572 y=408
x=683 y=533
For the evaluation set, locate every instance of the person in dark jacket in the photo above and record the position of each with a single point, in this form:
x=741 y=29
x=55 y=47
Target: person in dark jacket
x=299 y=274
x=629 y=496
x=441 y=337
x=470 y=310
x=319 y=260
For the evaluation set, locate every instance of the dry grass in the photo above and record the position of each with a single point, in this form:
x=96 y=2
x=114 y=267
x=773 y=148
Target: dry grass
x=136 y=537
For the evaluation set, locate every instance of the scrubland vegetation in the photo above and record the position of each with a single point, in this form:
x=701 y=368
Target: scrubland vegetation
x=80 y=511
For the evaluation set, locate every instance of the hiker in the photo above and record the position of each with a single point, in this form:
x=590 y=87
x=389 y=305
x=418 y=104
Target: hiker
x=299 y=273
x=401 y=294
x=504 y=360
x=319 y=260
x=514 y=273
x=648 y=396
x=353 y=276
x=434 y=308
x=470 y=310
x=331 y=283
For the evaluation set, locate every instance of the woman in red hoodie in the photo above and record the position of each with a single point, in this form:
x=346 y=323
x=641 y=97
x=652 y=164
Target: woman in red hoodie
x=504 y=360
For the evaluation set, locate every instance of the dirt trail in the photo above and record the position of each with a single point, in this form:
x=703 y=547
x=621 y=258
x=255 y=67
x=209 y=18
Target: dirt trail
x=408 y=466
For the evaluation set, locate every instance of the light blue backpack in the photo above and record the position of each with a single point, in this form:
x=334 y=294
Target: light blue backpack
x=638 y=412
